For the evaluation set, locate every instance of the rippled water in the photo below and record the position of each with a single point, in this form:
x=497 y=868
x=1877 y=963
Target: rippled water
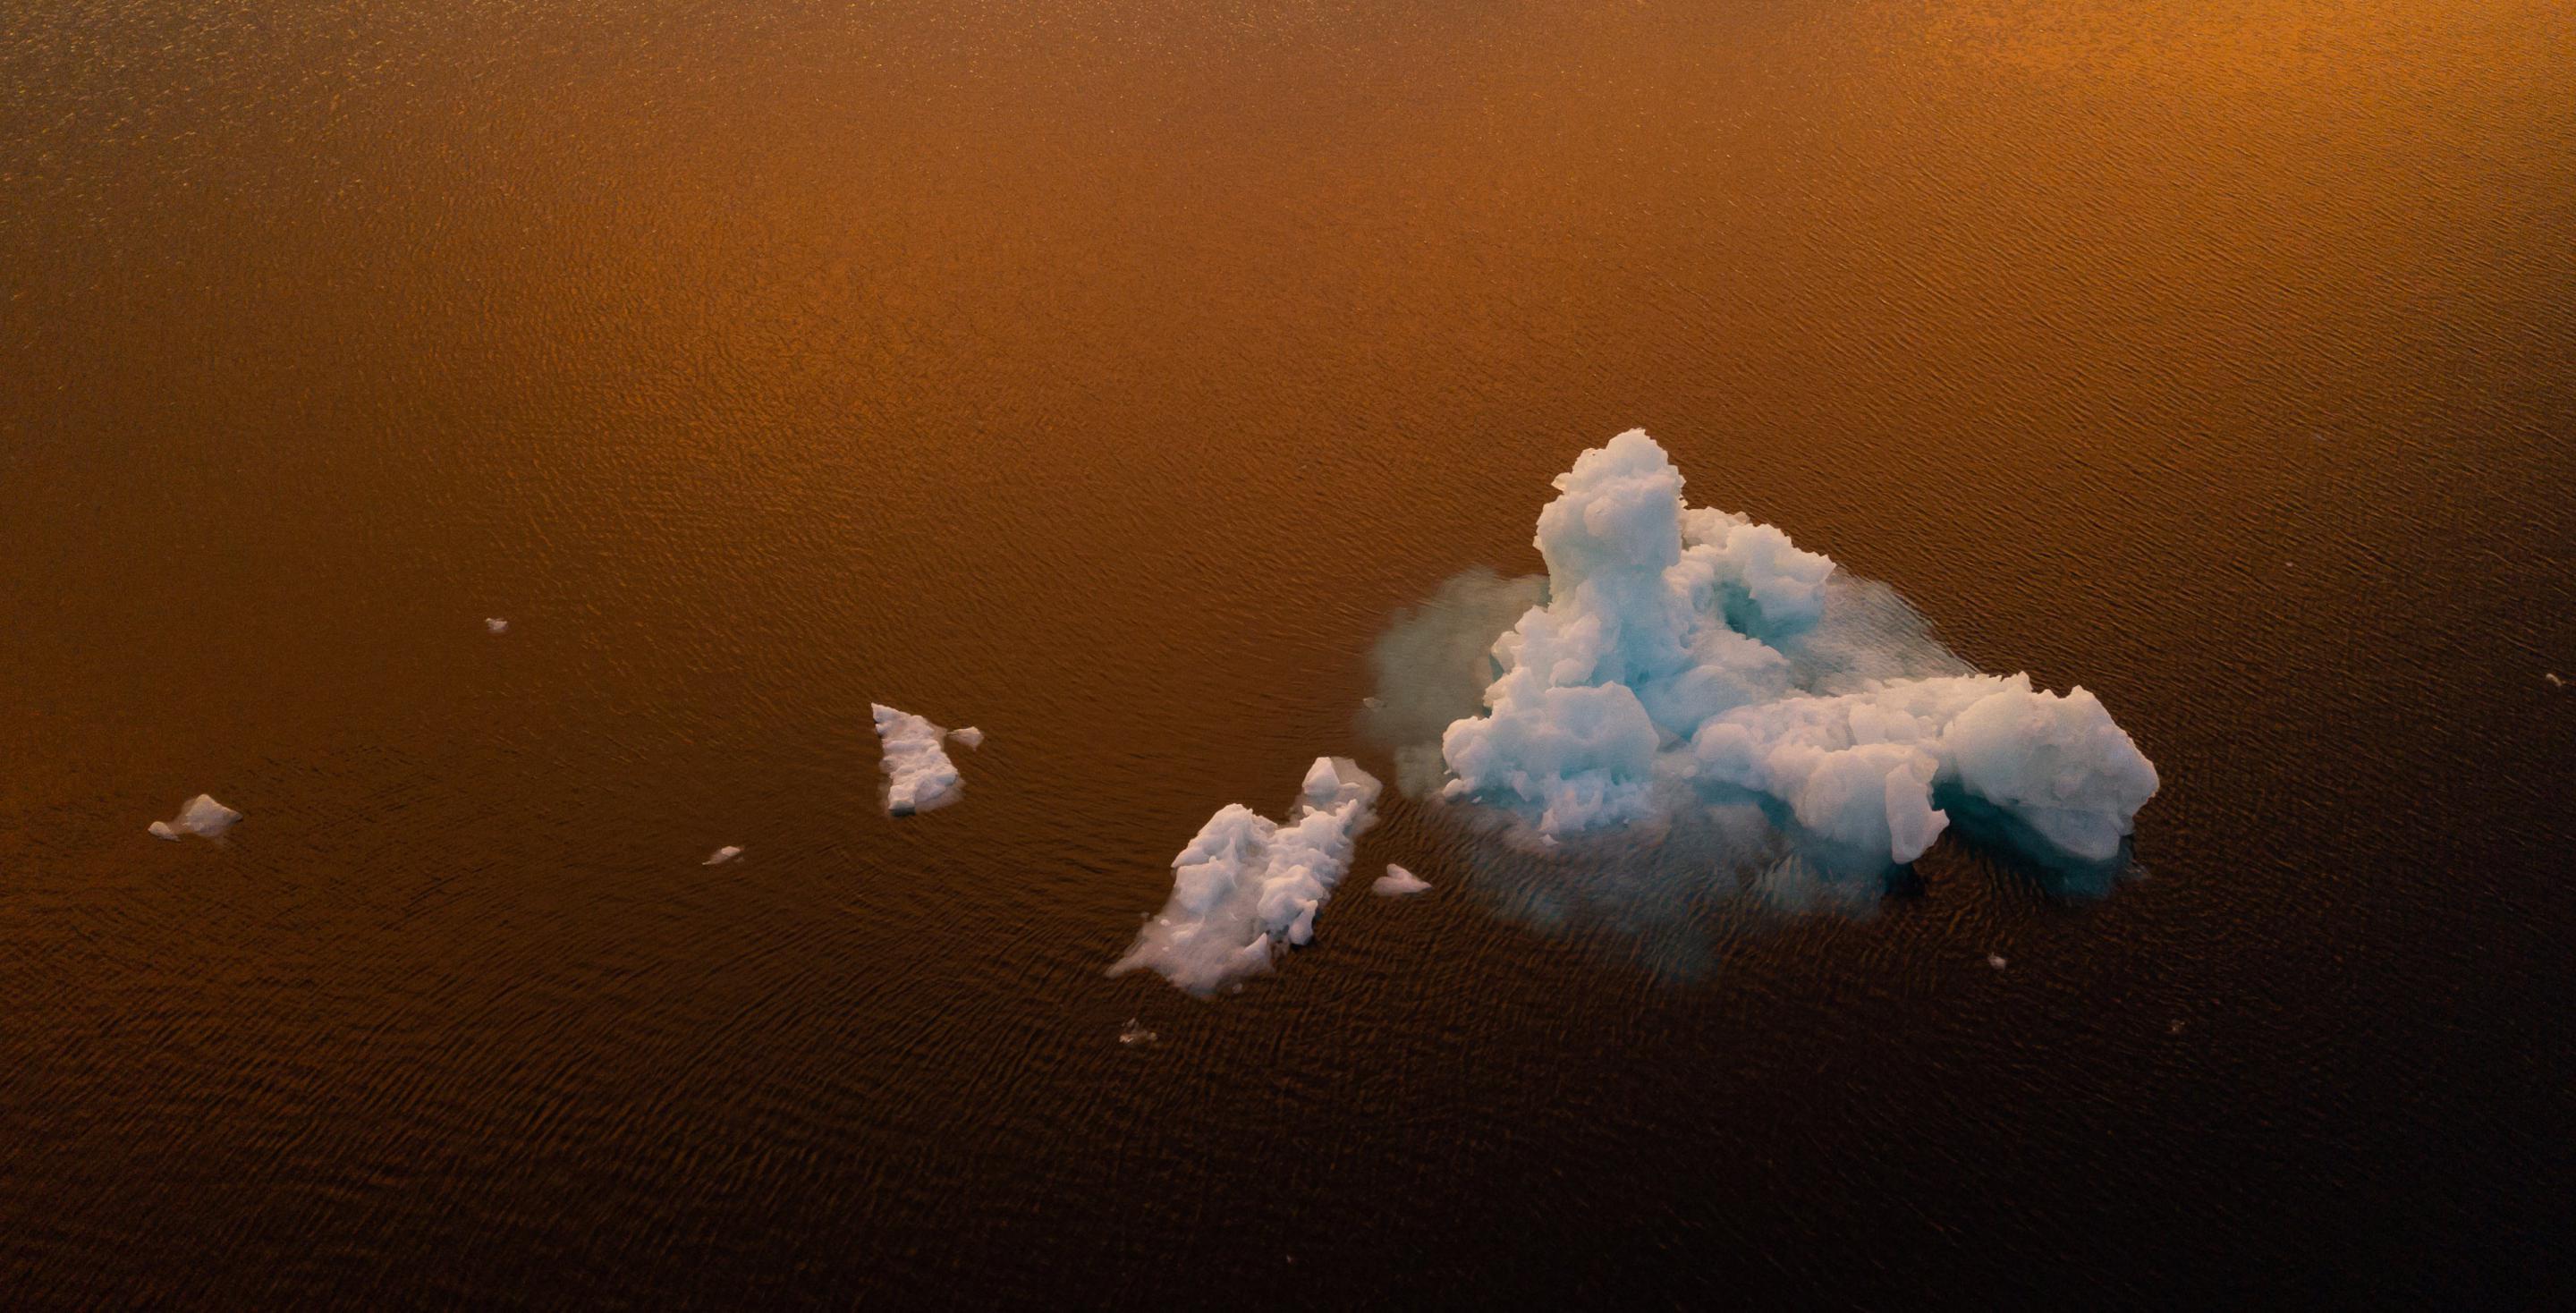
x=1108 y=376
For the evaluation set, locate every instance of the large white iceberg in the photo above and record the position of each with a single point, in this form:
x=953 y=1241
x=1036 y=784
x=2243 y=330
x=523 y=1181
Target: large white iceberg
x=1679 y=655
x=1247 y=888
x=202 y=816
x=919 y=776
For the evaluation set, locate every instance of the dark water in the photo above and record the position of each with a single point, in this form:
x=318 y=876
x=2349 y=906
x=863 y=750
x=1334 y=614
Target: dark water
x=1107 y=375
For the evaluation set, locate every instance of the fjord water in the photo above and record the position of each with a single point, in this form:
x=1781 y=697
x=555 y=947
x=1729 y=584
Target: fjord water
x=1108 y=376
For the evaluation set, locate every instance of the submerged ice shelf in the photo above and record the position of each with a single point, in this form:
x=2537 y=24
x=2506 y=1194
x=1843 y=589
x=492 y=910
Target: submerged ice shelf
x=1398 y=882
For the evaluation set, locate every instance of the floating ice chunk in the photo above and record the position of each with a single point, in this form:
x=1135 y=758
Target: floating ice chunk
x=723 y=855
x=1681 y=648
x=496 y=624
x=2058 y=764
x=1995 y=960
x=202 y=816
x=970 y=736
x=1398 y=882
x=2554 y=680
x=1134 y=1033
x=919 y=776
x=1246 y=888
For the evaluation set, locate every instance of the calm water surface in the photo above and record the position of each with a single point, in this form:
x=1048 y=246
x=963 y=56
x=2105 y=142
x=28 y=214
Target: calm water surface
x=1107 y=375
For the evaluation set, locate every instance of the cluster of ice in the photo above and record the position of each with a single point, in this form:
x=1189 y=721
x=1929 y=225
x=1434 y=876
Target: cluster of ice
x=1397 y=882
x=1669 y=661
x=1247 y=888
x=919 y=776
x=202 y=816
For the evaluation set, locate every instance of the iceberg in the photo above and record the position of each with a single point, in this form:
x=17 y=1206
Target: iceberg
x=496 y=624
x=1684 y=656
x=203 y=816
x=723 y=855
x=970 y=736
x=1246 y=889
x=919 y=776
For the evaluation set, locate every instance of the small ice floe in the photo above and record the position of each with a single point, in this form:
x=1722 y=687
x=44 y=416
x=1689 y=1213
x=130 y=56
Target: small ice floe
x=1134 y=1033
x=723 y=855
x=1398 y=882
x=1248 y=888
x=1995 y=960
x=2175 y=1028
x=919 y=775
x=496 y=624
x=2554 y=680
x=970 y=736
x=202 y=816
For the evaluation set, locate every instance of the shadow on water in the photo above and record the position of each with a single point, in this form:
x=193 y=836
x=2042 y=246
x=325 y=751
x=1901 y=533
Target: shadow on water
x=2018 y=854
